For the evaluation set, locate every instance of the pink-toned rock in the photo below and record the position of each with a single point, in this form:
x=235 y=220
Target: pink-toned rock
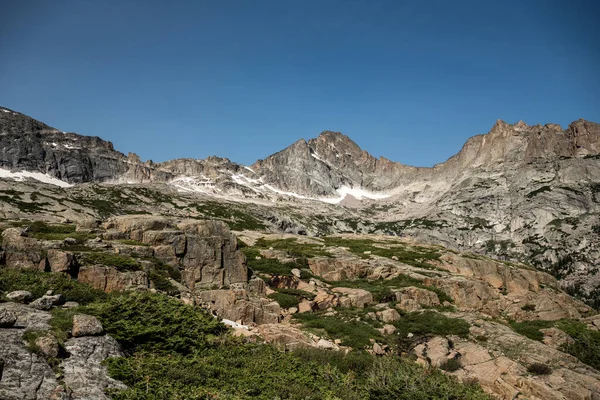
x=109 y=279
x=556 y=338
x=324 y=300
x=305 y=306
x=60 y=261
x=357 y=297
x=86 y=325
x=389 y=315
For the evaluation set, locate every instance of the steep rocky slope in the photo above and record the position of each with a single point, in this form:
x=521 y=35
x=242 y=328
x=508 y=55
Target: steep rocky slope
x=504 y=325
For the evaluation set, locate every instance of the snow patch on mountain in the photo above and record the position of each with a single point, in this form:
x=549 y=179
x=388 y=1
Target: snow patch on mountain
x=22 y=175
x=357 y=193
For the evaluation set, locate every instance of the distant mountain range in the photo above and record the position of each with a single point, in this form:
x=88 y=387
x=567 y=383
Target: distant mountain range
x=519 y=191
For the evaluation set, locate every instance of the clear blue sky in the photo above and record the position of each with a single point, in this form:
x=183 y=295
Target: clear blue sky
x=408 y=80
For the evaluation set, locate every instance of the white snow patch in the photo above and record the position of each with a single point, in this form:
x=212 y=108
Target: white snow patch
x=54 y=144
x=20 y=176
x=244 y=180
x=357 y=193
x=292 y=194
x=315 y=155
x=234 y=324
x=6 y=111
x=67 y=146
x=199 y=184
x=249 y=169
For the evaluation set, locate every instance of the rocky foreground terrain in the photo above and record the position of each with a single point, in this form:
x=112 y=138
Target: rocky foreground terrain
x=502 y=325
x=320 y=272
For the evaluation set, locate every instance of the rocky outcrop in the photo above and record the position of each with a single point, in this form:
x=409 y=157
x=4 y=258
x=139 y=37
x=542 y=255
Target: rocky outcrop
x=412 y=299
x=241 y=303
x=22 y=251
x=500 y=364
x=205 y=251
x=28 y=376
x=109 y=279
x=84 y=373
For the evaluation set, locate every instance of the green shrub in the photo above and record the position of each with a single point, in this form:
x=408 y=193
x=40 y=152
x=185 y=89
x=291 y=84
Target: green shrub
x=357 y=361
x=539 y=369
x=392 y=378
x=428 y=323
x=269 y=266
x=156 y=322
x=531 y=329
x=285 y=300
x=232 y=372
x=356 y=334
x=299 y=293
x=528 y=307
x=39 y=282
x=417 y=256
x=120 y=262
x=42 y=227
x=587 y=342
x=43 y=231
x=450 y=365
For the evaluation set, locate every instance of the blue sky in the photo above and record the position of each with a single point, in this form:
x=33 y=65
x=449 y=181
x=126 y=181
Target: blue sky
x=408 y=80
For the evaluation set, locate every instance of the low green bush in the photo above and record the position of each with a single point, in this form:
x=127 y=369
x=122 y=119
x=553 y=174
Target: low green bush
x=531 y=329
x=148 y=321
x=425 y=324
x=539 y=369
x=450 y=365
x=417 y=256
x=587 y=342
x=358 y=362
x=285 y=300
x=120 y=262
x=393 y=378
x=232 y=372
x=268 y=266
x=356 y=334
x=39 y=282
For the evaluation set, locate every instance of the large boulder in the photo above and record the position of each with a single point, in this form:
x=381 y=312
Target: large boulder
x=238 y=304
x=47 y=302
x=61 y=261
x=354 y=297
x=19 y=296
x=337 y=269
x=48 y=346
x=285 y=336
x=22 y=251
x=412 y=298
x=7 y=319
x=86 y=325
x=109 y=279
x=172 y=238
x=211 y=258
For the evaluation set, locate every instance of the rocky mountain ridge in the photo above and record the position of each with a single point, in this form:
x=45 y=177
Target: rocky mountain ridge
x=519 y=192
